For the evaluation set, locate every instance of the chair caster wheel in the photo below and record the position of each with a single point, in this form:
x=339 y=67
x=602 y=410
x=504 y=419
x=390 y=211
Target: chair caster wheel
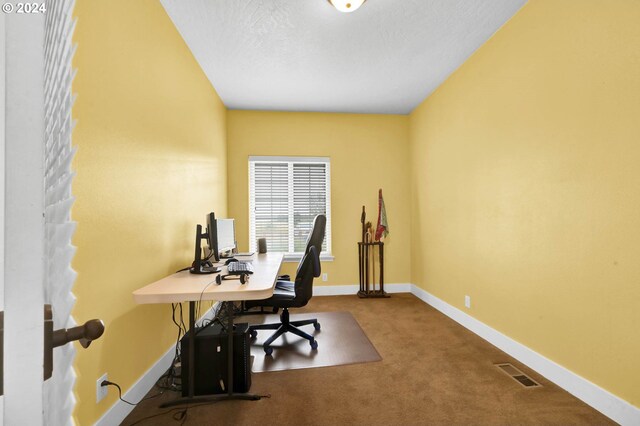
x=253 y=334
x=314 y=344
x=268 y=350
x=317 y=326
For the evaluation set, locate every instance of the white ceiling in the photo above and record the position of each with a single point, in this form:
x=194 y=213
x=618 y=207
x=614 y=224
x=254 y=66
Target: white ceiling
x=303 y=55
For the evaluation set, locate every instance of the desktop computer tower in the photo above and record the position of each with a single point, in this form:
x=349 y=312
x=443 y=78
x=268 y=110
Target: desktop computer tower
x=211 y=355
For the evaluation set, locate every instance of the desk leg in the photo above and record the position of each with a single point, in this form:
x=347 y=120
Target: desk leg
x=191 y=398
x=192 y=348
x=229 y=348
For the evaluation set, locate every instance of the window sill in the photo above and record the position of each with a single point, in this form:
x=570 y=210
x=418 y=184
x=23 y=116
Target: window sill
x=324 y=257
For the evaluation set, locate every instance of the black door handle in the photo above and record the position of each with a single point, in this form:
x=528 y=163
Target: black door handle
x=84 y=334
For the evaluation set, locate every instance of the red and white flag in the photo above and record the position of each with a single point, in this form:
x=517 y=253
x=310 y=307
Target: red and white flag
x=383 y=226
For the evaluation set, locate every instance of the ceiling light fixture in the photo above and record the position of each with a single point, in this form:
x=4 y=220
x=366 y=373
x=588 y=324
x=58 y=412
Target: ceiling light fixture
x=347 y=5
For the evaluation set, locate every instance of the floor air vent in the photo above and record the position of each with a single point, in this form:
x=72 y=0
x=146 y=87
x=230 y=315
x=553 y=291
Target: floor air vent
x=518 y=375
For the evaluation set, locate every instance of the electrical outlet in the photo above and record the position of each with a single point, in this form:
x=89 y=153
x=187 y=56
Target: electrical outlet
x=325 y=277
x=467 y=301
x=101 y=391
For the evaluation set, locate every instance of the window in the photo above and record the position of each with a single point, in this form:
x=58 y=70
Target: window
x=285 y=195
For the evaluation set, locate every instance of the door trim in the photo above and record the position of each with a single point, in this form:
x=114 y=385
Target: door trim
x=2 y=159
x=24 y=222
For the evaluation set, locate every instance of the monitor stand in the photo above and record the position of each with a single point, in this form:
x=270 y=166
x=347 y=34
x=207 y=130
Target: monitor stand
x=200 y=266
x=204 y=270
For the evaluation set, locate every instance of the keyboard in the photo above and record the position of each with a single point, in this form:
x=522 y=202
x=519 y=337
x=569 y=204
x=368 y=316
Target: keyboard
x=240 y=268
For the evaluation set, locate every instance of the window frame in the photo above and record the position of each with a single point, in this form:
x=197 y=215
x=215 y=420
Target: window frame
x=290 y=161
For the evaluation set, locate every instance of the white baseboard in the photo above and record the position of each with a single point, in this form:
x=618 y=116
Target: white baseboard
x=343 y=290
x=608 y=404
x=120 y=410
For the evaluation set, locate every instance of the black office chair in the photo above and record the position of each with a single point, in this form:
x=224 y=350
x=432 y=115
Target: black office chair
x=295 y=294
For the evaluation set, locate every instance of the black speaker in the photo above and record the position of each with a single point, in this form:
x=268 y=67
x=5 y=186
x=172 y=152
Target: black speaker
x=211 y=357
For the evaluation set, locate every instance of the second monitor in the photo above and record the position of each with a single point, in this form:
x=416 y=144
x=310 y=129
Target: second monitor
x=226 y=236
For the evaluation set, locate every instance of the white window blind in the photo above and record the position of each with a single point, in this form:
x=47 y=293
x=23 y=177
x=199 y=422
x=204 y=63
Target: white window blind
x=285 y=195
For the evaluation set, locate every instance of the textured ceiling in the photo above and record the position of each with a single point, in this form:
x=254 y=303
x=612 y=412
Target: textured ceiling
x=303 y=55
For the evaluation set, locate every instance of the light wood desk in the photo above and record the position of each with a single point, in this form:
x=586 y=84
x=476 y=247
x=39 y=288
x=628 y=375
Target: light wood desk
x=186 y=287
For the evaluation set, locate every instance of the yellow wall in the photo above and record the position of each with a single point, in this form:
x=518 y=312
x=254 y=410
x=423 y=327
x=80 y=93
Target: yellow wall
x=525 y=186
x=151 y=163
x=367 y=152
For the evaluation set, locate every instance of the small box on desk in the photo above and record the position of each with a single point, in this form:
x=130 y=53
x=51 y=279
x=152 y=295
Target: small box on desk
x=211 y=356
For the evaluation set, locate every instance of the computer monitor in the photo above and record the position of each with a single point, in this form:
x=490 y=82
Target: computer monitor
x=226 y=235
x=212 y=236
x=200 y=265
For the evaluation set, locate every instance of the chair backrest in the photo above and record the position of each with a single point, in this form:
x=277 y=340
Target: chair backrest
x=316 y=236
x=309 y=267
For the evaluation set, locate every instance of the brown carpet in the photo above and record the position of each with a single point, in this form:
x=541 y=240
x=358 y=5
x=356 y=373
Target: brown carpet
x=433 y=372
x=292 y=352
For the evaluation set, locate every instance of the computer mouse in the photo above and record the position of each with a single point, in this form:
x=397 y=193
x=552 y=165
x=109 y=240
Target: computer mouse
x=228 y=261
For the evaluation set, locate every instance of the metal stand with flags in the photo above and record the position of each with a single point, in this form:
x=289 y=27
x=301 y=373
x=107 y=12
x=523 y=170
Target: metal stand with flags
x=366 y=253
